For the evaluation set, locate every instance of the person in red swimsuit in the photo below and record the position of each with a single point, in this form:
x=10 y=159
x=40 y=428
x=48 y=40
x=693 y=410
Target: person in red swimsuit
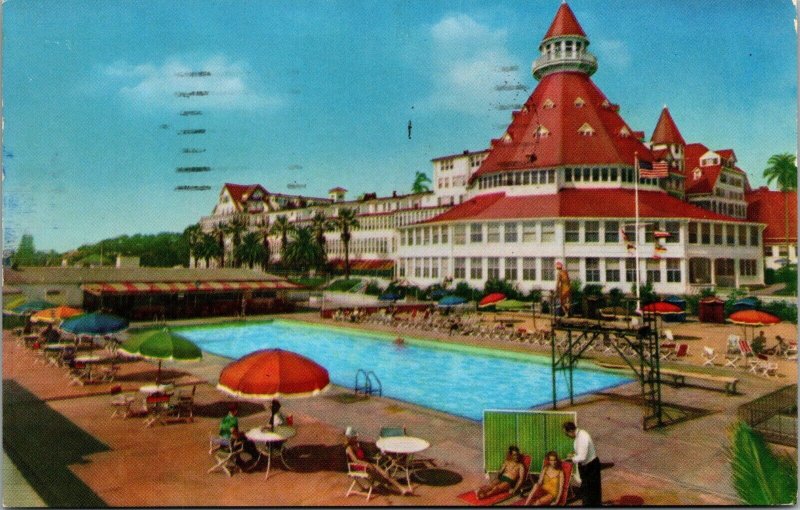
x=355 y=455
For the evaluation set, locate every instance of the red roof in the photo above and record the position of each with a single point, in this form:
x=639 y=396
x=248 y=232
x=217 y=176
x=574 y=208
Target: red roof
x=553 y=106
x=666 y=131
x=239 y=191
x=577 y=203
x=564 y=23
x=706 y=182
x=766 y=206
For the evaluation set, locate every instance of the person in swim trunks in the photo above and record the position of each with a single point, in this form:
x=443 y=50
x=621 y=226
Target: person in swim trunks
x=510 y=478
x=547 y=490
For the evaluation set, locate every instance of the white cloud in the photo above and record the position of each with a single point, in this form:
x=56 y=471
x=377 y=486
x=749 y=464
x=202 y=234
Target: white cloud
x=229 y=85
x=613 y=53
x=470 y=61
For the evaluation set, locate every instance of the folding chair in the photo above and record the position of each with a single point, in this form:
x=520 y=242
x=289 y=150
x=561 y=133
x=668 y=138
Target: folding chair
x=363 y=481
x=682 y=352
x=667 y=350
x=157 y=406
x=225 y=452
x=709 y=355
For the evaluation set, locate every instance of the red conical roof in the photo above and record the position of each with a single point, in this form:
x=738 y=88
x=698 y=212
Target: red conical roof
x=579 y=127
x=666 y=131
x=565 y=23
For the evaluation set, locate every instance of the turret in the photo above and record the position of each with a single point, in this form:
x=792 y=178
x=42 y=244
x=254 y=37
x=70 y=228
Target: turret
x=564 y=47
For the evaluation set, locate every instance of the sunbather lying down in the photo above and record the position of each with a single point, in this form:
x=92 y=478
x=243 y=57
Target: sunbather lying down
x=547 y=490
x=509 y=479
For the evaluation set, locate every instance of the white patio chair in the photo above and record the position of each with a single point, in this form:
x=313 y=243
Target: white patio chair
x=709 y=355
x=363 y=481
x=668 y=335
x=225 y=454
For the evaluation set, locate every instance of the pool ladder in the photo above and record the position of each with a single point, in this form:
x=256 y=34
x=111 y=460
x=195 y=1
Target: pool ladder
x=367 y=383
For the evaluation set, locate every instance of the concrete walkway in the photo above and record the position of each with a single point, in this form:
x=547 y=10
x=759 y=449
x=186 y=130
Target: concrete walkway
x=17 y=492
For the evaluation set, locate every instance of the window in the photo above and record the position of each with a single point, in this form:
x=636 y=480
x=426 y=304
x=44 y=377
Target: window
x=435 y=267
x=730 y=235
x=459 y=234
x=592 y=269
x=494 y=268
x=548 y=269
x=653 y=271
x=444 y=234
x=717 y=234
x=551 y=176
x=493 y=232
x=418 y=235
x=649 y=231
x=754 y=236
x=476 y=233
x=548 y=231
x=511 y=269
x=674 y=230
x=700 y=271
x=586 y=129
x=630 y=270
x=674 y=270
x=510 y=232
x=612 y=270
x=418 y=267
x=435 y=235
x=402 y=238
x=630 y=233
x=528 y=232
x=573 y=267
x=612 y=232
x=426 y=235
x=567 y=175
x=592 y=232
x=571 y=232
x=705 y=233
x=426 y=267
x=476 y=268
x=459 y=268
x=443 y=262
x=528 y=268
x=401 y=267
x=742 y=235
x=747 y=267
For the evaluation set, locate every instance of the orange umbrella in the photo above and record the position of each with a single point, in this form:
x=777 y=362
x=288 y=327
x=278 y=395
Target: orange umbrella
x=492 y=299
x=753 y=318
x=55 y=314
x=273 y=373
x=661 y=307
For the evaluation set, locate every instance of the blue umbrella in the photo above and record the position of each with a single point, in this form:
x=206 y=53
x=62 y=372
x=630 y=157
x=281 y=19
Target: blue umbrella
x=36 y=305
x=748 y=303
x=438 y=293
x=94 y=324
x=389 y=296
x=452 y=301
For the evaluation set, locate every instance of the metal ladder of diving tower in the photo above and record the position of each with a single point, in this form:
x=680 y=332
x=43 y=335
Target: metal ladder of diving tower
x=367 y=383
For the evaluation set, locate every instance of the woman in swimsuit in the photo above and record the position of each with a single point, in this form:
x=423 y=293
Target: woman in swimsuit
x=510 y=478
x=547 y=490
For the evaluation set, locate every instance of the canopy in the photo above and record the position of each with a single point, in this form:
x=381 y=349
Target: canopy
x=55 y=314
x=452 y=301
x=273 y=373
x=162 y=344
x=438 y=293
x=389 y=296
x=748 y=303
x=753 y=318
x=32 y=306
x=513 y=304
x=491 y=299
x=661 y=307
x=94 y=324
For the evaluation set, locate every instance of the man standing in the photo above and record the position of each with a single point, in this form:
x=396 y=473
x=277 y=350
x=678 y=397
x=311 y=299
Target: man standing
x=585 y=457
x=563 y=288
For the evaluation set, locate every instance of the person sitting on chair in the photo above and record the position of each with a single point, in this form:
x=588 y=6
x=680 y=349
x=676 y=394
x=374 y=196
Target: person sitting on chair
x=510 y=477
x=355 y=455
x=547 y=490
x=229 y=429
x=778 y=349
x=276 y=418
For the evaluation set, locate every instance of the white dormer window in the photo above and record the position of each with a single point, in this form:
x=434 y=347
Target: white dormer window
x=525 y=109
x=624 y=132
x=697 y=173
x=579 y=102
x=586 y=129
x=605 y=103
x=548 y=104
x=542 y=131
x=507 y=138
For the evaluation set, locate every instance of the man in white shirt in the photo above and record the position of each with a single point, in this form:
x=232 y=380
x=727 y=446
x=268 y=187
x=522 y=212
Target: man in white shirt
x=585 y=457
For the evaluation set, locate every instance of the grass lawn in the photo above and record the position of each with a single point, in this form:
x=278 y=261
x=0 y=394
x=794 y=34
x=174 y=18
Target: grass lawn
x=344 y=285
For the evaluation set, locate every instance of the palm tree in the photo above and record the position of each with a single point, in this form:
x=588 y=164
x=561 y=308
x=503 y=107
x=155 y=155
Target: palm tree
x=421 y=181
x=283 y=228
x=782 y=170
x=250 y=251
x=760 y=477
x=303 y=252
x=207 y=248
x=345 y=221
x=218 y=232
x=319 y=225
x=193 y=234
x=236 y=228
x=265 y=245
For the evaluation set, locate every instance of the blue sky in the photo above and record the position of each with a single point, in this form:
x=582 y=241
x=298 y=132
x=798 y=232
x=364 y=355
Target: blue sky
x=321 y=92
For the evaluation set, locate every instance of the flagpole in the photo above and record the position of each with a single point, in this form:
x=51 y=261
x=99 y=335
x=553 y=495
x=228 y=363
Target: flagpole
x=636 y=232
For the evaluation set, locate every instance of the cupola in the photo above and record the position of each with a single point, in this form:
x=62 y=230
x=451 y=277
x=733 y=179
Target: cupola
x=564 y=47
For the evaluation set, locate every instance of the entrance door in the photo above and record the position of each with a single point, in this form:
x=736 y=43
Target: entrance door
x=724 y=272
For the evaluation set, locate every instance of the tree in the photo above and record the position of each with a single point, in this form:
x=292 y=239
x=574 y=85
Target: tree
x=250 y=251
x=782 y=170
x=193 y=236
x=303 y=252
x=344 y=222
x=760 y=477
x=236 y=229
x=208 y=248
x=283 y=228
x=218 y=232
x=319 y=225
x=26 y=252
x=266 y=252
x=421 y=181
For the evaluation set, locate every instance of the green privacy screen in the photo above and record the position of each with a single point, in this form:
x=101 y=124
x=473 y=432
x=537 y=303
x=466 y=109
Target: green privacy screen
x=535 y=432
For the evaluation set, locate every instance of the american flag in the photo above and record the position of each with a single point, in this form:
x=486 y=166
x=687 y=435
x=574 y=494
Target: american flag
x=653 y=170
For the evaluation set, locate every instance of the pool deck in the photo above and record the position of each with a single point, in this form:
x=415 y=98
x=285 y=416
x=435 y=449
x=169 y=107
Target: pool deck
x=684 y=464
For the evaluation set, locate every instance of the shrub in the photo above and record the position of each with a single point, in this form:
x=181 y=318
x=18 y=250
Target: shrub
x=344 y=285
x=534 y=295
x=373 y=289
x=615 y=297
x=785 y=311
x=646 y=293
x=465 y=291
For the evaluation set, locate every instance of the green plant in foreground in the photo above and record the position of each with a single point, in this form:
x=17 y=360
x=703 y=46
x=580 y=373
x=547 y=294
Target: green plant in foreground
x=760 y=476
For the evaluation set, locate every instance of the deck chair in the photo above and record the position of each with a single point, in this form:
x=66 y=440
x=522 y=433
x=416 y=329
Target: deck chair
x=225 y=453
x=182 y=407
x=682 y=352
x=709 y=355
x=157 y=406
x=471 y=499
x=667 y=350
x=566 y=489
x=363 y=481
x=747 y=352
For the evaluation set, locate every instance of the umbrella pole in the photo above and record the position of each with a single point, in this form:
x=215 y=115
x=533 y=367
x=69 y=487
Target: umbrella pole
x=158 y=374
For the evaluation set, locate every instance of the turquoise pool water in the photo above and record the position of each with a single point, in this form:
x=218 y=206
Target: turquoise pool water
x=456 y=380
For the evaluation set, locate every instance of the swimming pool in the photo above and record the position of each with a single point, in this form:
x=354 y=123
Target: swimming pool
x=459 y=380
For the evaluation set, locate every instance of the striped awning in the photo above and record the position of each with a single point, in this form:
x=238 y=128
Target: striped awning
x=179 y=287
x=365 y=265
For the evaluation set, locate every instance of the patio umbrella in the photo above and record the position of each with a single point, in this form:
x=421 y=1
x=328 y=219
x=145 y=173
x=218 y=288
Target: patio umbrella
x=748 y=303
x=451 y=301
x=491 y=299
x=513 y=304
x=162 y=345
x=32 y=306
x=389 y=296
x=95 y=323
x=752 y=319
x=438 y=294
x=56 y=314
x=273 y=373
x=661 y=307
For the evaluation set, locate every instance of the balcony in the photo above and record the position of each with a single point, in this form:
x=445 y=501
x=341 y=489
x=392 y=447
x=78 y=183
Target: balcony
x=563 y=61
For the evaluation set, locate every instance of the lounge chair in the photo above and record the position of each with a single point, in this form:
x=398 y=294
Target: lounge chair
x=363 y=481
x=472 y=499
x=682 y=352
x=667 y=350
x=226 y=454
x=157 y=406
x=709 y=355
x=566 y=489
